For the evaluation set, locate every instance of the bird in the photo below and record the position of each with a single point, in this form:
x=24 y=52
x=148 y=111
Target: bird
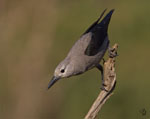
x=87 y=52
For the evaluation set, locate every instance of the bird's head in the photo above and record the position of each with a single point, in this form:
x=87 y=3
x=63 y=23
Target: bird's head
x=63 y=70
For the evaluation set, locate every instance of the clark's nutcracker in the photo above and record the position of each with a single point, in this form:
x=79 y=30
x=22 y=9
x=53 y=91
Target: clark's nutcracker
x=87 y=52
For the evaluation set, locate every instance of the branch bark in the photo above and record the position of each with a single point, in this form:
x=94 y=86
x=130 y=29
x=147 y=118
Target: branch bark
x=109 y=81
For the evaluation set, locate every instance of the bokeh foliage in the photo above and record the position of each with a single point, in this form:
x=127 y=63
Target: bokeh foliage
x=36 y=35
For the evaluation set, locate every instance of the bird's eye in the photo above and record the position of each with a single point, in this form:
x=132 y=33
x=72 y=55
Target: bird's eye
x=62 y=71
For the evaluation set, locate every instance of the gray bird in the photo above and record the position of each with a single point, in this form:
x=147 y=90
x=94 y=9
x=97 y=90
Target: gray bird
x=87 y=52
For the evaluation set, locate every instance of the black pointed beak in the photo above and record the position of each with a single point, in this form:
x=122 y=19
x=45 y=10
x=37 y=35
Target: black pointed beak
x=53 y=81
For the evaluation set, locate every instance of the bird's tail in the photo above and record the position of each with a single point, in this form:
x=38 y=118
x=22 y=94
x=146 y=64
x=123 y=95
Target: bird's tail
x=105 y=21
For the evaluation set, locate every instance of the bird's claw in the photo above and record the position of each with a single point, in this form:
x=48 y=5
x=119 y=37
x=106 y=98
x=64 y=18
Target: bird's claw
x=103 y=87
x=112 y=53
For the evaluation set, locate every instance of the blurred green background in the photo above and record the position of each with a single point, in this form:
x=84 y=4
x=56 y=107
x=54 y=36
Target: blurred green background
x=35 y=35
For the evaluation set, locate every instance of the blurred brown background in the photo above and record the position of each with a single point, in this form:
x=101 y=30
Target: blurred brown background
x=35 y=35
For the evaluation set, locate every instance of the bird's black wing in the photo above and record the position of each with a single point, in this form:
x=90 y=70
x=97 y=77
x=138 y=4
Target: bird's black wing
x=99 y=33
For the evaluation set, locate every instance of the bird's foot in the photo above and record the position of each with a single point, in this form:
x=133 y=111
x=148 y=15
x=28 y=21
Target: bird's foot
x=112 y=53
x=103 y=87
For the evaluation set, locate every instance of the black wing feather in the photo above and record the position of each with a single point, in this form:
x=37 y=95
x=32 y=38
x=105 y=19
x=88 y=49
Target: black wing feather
x=99 y=33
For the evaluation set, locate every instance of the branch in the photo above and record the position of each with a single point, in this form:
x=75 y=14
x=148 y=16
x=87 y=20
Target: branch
x=109 y=81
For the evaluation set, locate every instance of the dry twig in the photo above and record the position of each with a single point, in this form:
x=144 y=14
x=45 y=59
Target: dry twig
x=109 y=81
